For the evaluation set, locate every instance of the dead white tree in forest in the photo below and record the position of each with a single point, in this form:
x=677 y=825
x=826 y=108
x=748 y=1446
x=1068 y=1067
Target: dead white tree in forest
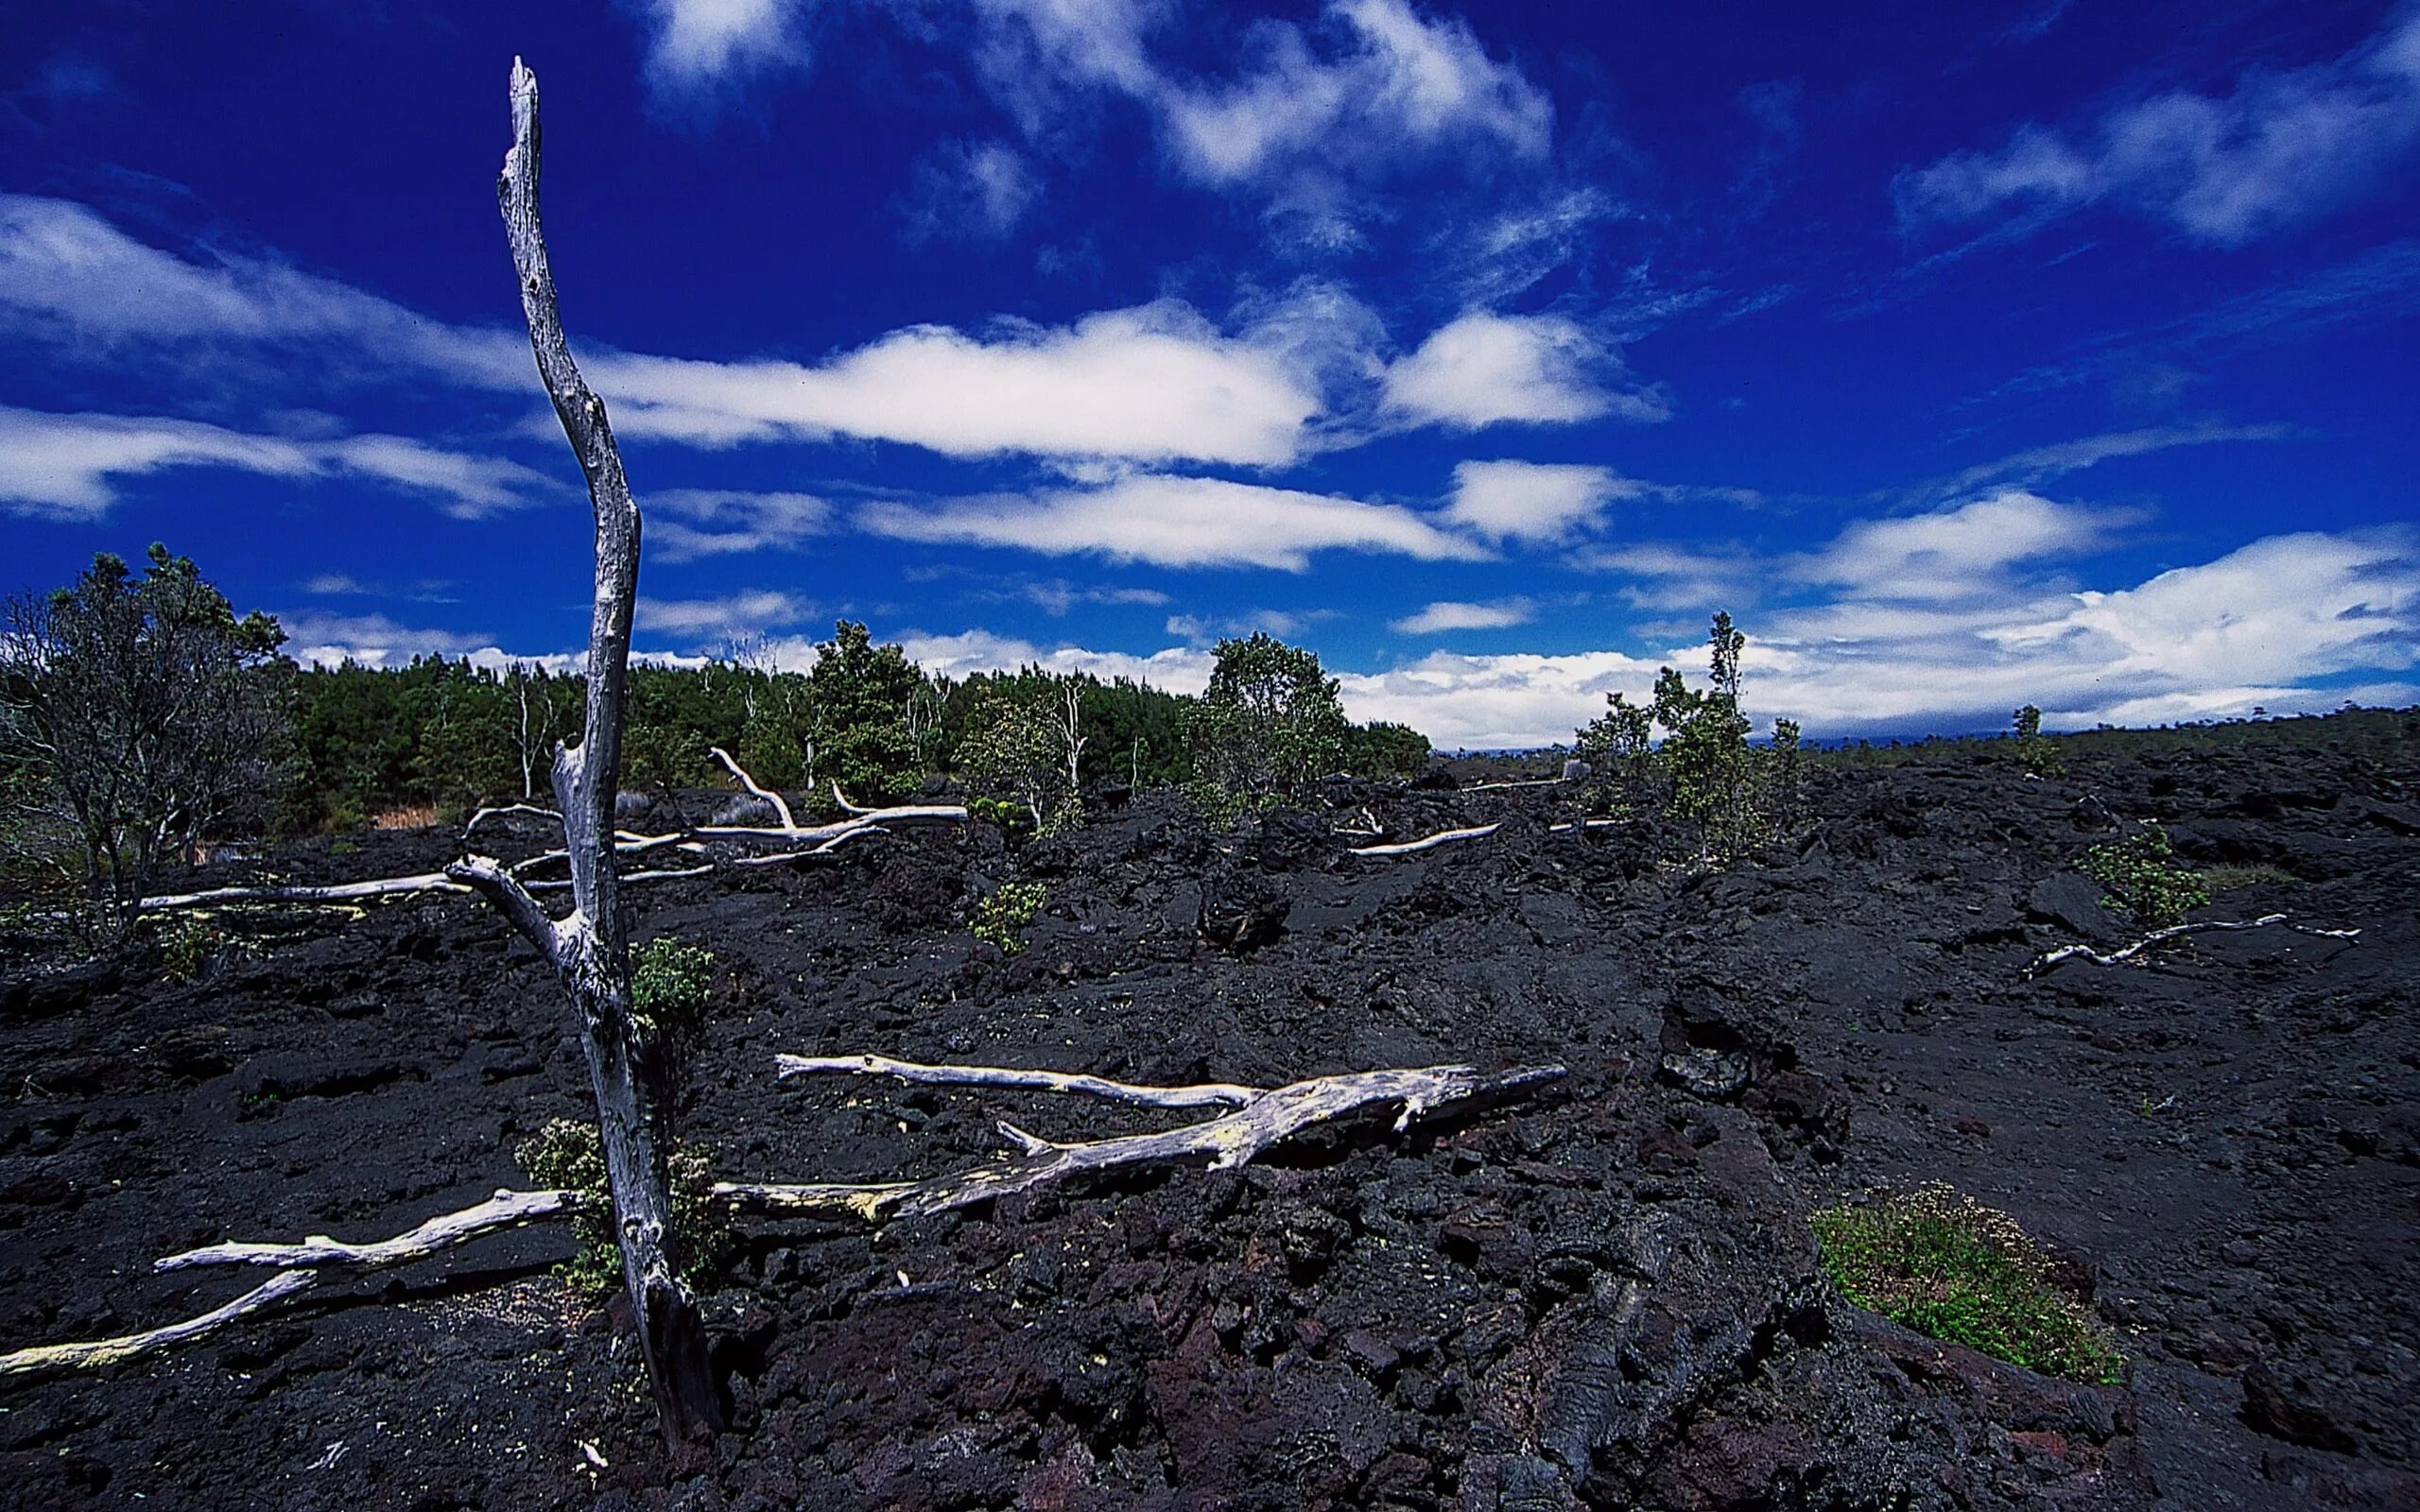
x=628 y=1065
x=1071 y=727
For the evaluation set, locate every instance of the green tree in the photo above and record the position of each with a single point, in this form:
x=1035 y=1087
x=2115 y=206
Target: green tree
x=142 y=715
x=1268 y=724
x=1385 y=748
x=1018 y=746
x=858 y=696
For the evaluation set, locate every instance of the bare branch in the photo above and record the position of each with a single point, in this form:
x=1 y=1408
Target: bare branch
x=504 y=810
x=1206 y=1094
x=505 y=1209
x=749 y=782
x=2052 y=959
x=501 y=888
x=1405 y=848
x=98 y=1353
x=340 y=893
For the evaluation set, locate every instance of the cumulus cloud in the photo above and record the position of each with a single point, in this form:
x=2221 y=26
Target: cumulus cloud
x=1483 y=368
x=687 y=525
x=1152 y=384
x=2281 y=149
x=1664 y=576
x=751 y=611
x=1178 y=669
x=1450 y=615
x=1176 y=522
x=69 y=465
x=1533 y=501
x=1957 y=553
x=316 y=638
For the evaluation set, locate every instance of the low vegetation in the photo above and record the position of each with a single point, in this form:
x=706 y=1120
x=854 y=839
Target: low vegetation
x=2142 y=879
x=566 y=1154
x=1000 y=916
x=1943 y=1264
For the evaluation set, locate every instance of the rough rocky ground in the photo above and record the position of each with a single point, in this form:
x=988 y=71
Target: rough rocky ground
x=1607 y=1296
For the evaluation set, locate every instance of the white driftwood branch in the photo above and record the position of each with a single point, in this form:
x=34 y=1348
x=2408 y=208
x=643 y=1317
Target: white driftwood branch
x=505 y=1209
x=2064 y=954
x=1405 y=848
x=97 y=1353
x=502 y=810
x=1581 y=824
x=749 y=782
x=1229 y=1140
x=1204 y=1094
x=857 y=819
x=842 y=799
x=339 y=893
x=1526 y=781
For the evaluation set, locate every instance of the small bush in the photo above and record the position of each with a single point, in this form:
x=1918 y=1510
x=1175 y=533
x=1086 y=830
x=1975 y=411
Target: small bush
x=1949 y=1268
x=2036 y=751
x=1001 y=916
x=672 y=983
x=187 y=949
x=2141 y=877
x=566 y=1153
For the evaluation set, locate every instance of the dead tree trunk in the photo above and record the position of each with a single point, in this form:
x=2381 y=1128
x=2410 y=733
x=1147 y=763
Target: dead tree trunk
x=627 y=1066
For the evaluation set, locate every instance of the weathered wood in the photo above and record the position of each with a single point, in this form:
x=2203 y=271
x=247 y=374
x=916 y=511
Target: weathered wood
x=1229 y=1140
x=1204 y=1094
x=789 y=825
x=1405 y=848
x=505 y=1209
x=2050 y=959
x=94 y=1354
x=627 y=1066
x=338 y=893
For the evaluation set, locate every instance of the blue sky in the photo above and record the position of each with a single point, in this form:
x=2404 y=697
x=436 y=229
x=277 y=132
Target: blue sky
x=2052 y=351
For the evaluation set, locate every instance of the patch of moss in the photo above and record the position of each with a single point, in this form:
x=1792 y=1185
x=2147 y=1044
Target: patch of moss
x=1943 y=1264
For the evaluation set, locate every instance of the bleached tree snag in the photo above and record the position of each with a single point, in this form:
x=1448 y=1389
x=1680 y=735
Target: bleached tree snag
x=505 y=1209
x=98 y=1353
x=842 y=799
x=1204 y=1094
x=1405 y=848
x=628 y=1068
x=749 y=782
x=2050 y=960
x=1229 y=1140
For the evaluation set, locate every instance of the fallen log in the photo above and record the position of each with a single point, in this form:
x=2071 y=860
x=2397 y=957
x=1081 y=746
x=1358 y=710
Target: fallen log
x=2051 y=960
x=1405 y=848
x=97 y=1353
x=1229 y=1140
x=505 y=1209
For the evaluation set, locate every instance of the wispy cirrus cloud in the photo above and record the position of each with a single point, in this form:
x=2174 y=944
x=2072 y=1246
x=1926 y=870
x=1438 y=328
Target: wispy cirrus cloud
x=1175 y=522
x=73 y=466
x=2280 y=150
x=750 y=611
x=690 y=524
x=2039 y=464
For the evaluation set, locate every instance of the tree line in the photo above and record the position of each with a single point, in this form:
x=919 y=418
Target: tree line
x=140 y=719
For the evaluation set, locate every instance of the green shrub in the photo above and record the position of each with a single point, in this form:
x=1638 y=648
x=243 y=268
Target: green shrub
x=1941 y=1263
x=188 y=948
x=1001 y=915
x=566 y=1153
x=2035 y=752
x=672 y=983
x=1270 y=724
x=2140 y=875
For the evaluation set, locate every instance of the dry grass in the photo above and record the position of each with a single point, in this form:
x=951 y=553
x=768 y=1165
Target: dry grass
x=417 y=817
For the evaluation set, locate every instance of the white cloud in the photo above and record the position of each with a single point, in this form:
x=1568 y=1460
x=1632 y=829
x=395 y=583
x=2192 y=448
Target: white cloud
x=1533 y=501
x=68 y=465
x=748 y=523
x=318 y=639
x=1482 y=368
x=971 y=191
x=1450 y=615
x=1670 y=578
x=1178 y=669
x=1197 y=630
x=2281 y=149
x=1957 y=553
x=1176 y=522
x=1157 y=383
x=752 y=611
x=695 y=45
x=1398 y=83
x=70 y=278
x=2038 y=464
